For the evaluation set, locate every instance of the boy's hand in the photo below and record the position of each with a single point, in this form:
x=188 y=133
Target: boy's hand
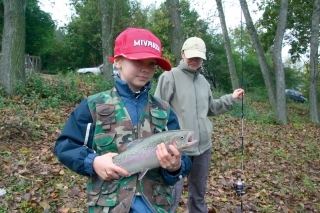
x=103 y=165
x=170 y=160
x=238 y=94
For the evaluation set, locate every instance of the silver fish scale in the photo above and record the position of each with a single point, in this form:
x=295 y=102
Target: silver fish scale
x=141 y=154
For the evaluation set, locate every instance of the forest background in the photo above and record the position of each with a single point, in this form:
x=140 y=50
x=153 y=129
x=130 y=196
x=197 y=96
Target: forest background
x=282 y=155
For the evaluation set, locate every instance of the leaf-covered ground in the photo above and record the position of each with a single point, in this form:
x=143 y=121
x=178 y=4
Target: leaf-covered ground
x=281 y=167
x=281 y=164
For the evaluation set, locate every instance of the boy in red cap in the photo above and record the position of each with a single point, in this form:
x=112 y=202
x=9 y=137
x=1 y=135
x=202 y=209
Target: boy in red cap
x=103 y=124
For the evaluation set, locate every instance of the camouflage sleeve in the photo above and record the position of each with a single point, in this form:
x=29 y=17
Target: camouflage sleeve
x=173 y=122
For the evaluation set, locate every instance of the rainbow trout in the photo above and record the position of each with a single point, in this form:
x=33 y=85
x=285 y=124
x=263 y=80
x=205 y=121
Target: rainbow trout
x=140 y=155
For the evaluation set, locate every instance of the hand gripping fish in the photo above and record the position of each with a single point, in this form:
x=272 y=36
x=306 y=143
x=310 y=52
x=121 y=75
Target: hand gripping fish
x=140 y=155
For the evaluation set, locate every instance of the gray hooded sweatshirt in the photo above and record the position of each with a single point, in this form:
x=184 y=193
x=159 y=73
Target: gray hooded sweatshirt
x=189 y=94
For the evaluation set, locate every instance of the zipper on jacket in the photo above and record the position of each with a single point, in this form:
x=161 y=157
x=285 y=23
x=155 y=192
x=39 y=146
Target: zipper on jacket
x=195 y=91
x=135 y=132
x=135 y=128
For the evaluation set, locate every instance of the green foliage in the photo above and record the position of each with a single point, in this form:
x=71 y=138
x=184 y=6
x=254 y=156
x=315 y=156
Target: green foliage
x=304 y=86
x=308 y=183
x=55 y=90
x=99 y=84
x=245 y=108
x=215 y=67
x=46 y=94
x=281 y=154
x=81 y=44
x=298 y=25
x=249 y=66
x=294 y=78
x=40 y=28
x=246 y=60
x=80 y=41
x=3 y=99
x=258 y=94
x=153 y=86
x=252 y=114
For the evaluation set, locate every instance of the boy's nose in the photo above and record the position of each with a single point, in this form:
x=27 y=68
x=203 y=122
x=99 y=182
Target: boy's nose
x=145 y=68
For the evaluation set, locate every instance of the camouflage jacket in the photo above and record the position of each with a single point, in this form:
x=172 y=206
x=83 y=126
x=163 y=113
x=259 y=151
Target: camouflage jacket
x=113 y=131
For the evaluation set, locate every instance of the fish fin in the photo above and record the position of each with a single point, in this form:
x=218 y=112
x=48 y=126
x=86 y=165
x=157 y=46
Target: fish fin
x=133 y=143
x=142 y=174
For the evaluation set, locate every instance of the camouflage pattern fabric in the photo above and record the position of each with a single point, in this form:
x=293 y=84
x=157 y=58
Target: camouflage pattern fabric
x=113 y=132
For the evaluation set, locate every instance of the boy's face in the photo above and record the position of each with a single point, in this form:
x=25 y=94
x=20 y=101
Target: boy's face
x=136 y=73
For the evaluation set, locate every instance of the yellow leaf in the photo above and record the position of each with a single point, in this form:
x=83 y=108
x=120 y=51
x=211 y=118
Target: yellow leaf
x=45 y=205
x=224 y=199
x=25 y=150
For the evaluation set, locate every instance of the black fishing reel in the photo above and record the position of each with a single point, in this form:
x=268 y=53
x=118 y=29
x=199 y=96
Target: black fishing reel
x=239 y=186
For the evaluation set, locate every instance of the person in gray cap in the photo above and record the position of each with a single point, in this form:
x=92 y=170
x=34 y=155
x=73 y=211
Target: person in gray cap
x=190 y=96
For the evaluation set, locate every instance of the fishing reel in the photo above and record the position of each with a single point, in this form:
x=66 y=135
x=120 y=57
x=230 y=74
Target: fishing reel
x=239 y=187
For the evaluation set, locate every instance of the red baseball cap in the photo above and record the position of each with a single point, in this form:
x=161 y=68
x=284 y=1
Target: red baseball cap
x=139 y=44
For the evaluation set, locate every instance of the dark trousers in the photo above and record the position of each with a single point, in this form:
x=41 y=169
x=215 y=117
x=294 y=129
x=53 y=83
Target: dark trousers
x=197 y=184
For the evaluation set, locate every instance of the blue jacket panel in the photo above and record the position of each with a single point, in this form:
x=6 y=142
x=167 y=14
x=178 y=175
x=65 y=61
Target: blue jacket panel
x=70 y=149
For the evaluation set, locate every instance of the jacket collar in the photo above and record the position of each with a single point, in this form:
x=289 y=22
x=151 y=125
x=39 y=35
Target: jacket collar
x=124 y=90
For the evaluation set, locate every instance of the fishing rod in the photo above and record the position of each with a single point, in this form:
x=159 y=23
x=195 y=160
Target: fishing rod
x=239 y=185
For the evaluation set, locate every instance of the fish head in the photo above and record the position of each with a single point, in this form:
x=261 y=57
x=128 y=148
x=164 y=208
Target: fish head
x=183 y=140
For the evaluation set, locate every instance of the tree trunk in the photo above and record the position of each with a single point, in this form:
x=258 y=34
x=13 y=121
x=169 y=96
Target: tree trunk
x=107 y=23
x=12 y=68
x=227 y=46
x=277 y=62
x=261 y=57
x=175 y=31
x=314 y=63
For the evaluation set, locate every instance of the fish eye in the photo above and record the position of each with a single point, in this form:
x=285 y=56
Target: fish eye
x=182 y=137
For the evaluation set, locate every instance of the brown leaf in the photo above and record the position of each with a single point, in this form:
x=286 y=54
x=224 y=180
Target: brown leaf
x=73 y=192
x=27 y=196
x=45 y=205
x=64 y=210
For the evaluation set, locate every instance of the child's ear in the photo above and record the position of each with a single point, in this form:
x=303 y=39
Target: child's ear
x=117 y=62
